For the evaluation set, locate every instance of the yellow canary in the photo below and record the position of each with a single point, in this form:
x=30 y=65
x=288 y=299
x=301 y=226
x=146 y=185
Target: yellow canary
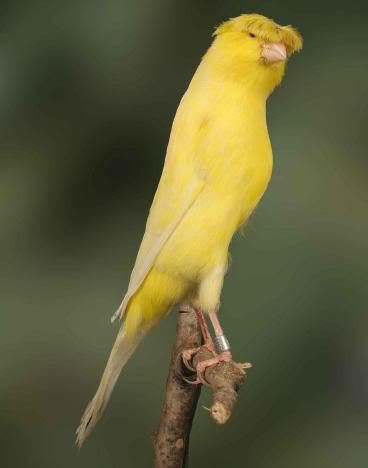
x=217 y=167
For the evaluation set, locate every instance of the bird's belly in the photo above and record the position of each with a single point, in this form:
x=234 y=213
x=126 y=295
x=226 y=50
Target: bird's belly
x=202 y=239
x=198 y=244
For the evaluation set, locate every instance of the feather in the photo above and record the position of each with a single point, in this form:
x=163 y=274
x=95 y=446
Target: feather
x=217 y=167
x=152 y=301
x=265 y=28
x=168 y=210
x=120 y=354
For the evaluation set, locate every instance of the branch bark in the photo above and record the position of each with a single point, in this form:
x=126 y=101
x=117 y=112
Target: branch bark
x=171 y=440
x=225 y=379
x=172 y=437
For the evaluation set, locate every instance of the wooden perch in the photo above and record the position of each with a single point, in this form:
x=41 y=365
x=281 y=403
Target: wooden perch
x=225 y=380
x=171 y=440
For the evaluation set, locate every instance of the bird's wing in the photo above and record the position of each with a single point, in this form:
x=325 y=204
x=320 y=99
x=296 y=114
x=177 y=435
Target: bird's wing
x=178 y=190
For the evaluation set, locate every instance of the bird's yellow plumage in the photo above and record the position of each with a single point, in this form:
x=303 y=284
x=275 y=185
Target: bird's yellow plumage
x=218 y=165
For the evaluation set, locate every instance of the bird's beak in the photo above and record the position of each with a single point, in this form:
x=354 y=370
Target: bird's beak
x=274 y=52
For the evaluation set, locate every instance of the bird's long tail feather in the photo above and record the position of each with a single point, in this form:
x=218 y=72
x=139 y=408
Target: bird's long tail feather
x=122 y=350
x=145 y=309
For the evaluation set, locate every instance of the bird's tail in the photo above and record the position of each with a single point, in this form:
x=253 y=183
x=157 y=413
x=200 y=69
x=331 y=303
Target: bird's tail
x=122 y=350
x=146 y=307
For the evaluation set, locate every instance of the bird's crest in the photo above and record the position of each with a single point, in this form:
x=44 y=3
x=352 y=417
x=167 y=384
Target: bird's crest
x=264 y=28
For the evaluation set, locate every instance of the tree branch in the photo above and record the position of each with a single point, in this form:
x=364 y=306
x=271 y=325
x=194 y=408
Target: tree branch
x=171 y=440
x=225 y=379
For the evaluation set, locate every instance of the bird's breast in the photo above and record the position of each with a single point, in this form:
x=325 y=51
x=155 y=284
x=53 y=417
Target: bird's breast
x=238 y=157
x=223 y=138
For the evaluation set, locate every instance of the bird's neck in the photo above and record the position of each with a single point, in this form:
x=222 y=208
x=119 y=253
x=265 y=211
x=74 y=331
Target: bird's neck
x=232 y=93
x=251 y=78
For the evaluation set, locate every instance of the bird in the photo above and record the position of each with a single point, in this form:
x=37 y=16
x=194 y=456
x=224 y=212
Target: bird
x=217 y=167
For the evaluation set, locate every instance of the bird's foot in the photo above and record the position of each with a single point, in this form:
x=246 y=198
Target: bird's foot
x=187 y=355
x=201 y=367
x=225 y=356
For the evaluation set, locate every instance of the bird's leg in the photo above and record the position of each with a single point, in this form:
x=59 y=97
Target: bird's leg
x=222 y=347
x=208 y=343
x=208 y=299
x=187 y=354
x=222 y=344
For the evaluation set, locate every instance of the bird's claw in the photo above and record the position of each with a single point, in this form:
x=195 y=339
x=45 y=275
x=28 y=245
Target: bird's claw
x=199 y=380
x=187 y=355
x=191 y=382
x=201 y=367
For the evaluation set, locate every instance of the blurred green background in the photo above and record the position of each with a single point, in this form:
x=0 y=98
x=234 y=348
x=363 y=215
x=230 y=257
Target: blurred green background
x=88 y=91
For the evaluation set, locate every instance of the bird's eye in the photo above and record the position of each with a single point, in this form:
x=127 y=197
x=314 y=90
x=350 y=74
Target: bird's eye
x=252 y=35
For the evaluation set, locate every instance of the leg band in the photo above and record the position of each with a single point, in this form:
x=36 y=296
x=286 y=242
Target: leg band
x=221 y=344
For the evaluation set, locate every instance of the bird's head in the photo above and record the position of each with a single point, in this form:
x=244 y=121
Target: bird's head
x=252 y=48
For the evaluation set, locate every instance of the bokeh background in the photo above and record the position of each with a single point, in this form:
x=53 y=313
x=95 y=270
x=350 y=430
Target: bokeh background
x=88 y=91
